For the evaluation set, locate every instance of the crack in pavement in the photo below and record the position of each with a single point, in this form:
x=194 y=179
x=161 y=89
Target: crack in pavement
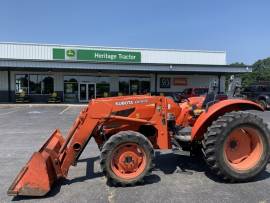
x=111 y=191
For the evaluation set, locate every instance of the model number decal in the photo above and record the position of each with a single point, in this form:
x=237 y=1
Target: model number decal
x=130 y=102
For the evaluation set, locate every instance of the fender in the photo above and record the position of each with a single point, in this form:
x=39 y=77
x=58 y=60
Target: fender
x=218 y=109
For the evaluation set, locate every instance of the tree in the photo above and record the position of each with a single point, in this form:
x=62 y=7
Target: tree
x=237 y=75
x=260 y=72
x=238 y=64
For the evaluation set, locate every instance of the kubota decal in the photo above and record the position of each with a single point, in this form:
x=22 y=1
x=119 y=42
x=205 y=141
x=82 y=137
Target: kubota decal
x=130 y=102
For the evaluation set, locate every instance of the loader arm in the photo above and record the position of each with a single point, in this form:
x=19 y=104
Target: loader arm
x=55 y=157
x=53 y=160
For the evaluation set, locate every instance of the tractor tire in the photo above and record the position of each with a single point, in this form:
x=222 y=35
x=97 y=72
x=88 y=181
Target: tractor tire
x=236 y=146
x=126 y=158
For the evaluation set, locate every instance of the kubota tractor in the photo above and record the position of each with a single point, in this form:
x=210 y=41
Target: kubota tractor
x=127 y=130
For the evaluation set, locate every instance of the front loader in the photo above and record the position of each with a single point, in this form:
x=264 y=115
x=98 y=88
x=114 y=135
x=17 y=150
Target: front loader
x=127 y=130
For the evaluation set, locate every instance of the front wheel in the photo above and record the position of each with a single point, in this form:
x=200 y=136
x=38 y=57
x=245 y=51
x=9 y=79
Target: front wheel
x=236 y=146
x=126 y=158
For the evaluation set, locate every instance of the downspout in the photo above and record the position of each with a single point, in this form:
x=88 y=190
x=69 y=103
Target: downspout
x=9 y=86
x=155 y=83
x=219 y=77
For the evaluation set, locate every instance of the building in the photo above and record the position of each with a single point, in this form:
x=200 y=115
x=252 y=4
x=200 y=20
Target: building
x=79 y=73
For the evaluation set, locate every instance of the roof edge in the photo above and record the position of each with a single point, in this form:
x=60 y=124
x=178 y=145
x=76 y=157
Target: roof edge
x=108 y=47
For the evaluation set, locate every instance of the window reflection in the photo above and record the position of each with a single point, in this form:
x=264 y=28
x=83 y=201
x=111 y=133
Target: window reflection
x=34 y=84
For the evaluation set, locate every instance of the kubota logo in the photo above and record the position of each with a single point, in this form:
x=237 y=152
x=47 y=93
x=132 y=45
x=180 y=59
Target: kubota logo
x=130 y=102
x=70 y=53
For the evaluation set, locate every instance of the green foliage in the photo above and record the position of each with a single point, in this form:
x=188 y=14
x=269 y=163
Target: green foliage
x=261 y=72
x=237 y=64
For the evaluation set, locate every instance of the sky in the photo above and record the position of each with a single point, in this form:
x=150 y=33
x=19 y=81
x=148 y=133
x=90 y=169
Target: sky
x=239 y=27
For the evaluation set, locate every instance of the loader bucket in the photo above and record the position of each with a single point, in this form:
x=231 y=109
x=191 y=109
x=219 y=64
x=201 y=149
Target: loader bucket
x=41 y=171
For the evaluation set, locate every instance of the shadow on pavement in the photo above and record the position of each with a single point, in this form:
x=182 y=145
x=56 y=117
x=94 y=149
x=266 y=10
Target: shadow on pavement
x=168 y=163
x=57 y=186
x=89 y=175
x=262 y=176
x=89 y=171
x=54 y=191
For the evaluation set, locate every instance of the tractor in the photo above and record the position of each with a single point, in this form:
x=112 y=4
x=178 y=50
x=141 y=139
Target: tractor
x=127 y=129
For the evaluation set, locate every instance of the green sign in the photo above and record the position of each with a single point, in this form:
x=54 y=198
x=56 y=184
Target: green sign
x=97 y=55
x=58 y=53
x=70 y=53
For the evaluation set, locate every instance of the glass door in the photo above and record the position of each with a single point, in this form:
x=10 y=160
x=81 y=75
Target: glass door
x=87 y=91
x=82 y=92
x=134 y=86
x=91 y=91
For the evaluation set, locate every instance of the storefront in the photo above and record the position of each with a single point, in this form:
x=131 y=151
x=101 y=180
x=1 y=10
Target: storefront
x=80 y=73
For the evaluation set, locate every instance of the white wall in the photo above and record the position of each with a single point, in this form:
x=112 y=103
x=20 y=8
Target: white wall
x=151 y=56
x=58 y=81
x=183 y=57
x=192 y=81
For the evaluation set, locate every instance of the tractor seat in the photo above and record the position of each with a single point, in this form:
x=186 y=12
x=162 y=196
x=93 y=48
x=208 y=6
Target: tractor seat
x=209 y=99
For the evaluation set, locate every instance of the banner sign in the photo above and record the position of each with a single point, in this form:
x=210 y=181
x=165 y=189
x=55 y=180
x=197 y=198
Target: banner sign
x=97 y=55
x=165 y=82
x=179 y=81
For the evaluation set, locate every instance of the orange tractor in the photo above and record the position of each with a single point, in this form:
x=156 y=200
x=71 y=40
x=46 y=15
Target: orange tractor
x=127 y=130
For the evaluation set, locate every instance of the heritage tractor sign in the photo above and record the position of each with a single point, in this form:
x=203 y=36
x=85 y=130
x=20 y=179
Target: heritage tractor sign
x=96 y=55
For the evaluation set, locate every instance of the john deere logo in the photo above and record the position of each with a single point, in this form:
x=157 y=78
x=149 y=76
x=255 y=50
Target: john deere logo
x=70 y=53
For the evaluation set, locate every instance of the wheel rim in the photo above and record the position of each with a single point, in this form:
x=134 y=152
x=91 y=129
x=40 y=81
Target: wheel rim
x=243 y=148
x=128 y=160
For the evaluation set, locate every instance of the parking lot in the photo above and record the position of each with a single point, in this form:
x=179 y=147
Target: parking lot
x=176 y=178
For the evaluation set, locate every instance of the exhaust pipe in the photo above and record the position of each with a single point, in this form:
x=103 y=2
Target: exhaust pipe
x=183 y=138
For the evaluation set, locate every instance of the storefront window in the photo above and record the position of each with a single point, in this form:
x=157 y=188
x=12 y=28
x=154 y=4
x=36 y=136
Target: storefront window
x=71 y=90
x=22 y=83
x=134 y=86
x=47 y=85
x=71 y=87
x=102 y=89
x=145 y=87
x=34 y=84
x=124 y=88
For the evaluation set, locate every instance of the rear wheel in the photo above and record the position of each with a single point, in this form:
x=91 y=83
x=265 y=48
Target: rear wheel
x=126 y=158
x=236 y=146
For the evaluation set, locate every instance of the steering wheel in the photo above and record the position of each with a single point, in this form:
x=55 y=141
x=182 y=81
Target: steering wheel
x=182 y=100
